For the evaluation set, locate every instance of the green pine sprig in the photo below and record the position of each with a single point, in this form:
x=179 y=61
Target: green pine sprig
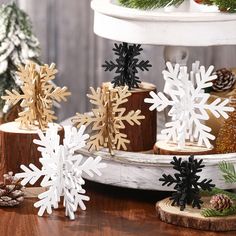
x=208 y=212
x=215 y=191
x=228 y=172
x=223 y=5
x=149 y=4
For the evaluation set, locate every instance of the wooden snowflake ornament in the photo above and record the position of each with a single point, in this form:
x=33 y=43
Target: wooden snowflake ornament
x=108 y=118
x=38 y=95
x=61 y=170
x=188 y=102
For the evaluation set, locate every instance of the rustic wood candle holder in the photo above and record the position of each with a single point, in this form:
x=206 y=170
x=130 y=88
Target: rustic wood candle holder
x=17 y=147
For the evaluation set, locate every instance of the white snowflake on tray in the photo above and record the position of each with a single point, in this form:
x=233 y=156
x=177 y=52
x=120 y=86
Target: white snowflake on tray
x=188 y=102
x=61 y=170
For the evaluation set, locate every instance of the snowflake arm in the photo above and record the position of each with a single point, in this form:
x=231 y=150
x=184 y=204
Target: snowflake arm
x=92 y=166
x=13 y=97
x=31 y=174
x=217 y=108
x=47 y=200
x=60 y=94
x=159 y=101
x=75 y=139
x=48 y=143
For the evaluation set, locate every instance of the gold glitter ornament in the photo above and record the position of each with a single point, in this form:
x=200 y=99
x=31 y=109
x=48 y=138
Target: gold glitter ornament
x=225 y=142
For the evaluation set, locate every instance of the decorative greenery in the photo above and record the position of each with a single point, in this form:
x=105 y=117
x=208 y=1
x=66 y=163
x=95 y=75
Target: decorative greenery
x=149 y=4
x=228 y=172
x=224 y=5
x=18 y=45
x=209 y=212
x=229 y=175
x=215 y=191
x=126 y=65
x=187 y=184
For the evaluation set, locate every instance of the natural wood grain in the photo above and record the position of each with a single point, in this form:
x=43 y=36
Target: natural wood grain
x=170 y=148
x=33 y=192
x=17 y=147
x=110 y=212
x=191 y=217
x=142 y=137
x=11 y=115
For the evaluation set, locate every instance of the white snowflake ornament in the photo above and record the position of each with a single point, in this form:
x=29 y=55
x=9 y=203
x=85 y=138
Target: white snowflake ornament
x=188 y=102
x=61 y=170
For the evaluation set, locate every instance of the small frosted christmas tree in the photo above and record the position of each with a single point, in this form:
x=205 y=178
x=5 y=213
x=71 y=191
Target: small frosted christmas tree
x=18 y=46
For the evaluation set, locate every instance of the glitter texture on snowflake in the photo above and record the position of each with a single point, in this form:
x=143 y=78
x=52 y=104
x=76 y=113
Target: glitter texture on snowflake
x=108 y=118
x=188 y=102
x=38 y=94
x=127 y=64
x=61 y=170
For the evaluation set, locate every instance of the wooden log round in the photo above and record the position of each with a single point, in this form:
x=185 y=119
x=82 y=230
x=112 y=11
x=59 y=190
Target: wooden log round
x=17 y=147
x=171 y=148
x=11 y=115
x=191 y=217
x=142 y=137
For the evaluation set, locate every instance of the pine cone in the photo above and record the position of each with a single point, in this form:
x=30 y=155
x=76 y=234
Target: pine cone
x=225 y=80
x=11 y=193
x=220 y=202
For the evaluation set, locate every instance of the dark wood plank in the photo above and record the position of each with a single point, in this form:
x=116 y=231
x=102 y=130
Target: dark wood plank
x=111 y=211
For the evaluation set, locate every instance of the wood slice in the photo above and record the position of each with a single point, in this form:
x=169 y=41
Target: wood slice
x=17 y=147
x=191 y=217
x=171 y=148
x=142 y=137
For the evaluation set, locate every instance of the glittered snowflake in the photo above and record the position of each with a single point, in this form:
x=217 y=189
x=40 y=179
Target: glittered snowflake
x=61 y=170
x=187 y=183
x=108 y=118
x=127 y=65
x=189 y=104
x=38 y=95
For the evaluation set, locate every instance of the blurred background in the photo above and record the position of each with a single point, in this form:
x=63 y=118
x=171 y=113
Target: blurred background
x=65 y=31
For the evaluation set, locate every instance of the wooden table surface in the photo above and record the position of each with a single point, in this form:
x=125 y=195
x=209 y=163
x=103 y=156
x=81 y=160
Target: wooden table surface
x=111 y=211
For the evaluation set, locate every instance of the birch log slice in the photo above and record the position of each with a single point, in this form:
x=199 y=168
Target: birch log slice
x=17 y=147
x=191 y=217
x=142 y=137
x=171 y=148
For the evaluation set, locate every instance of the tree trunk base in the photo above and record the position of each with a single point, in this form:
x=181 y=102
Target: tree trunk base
x=171 y=148
x=191 y=217
x=17 y=147
x=142 y=137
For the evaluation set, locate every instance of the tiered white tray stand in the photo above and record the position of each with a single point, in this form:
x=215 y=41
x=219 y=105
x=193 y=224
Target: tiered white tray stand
x=188 y=27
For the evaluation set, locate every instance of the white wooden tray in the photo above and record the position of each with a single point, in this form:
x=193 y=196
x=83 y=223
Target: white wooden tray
x=161 y=28
x=142 y=171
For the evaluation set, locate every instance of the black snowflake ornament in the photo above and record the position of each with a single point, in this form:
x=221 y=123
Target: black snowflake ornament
x=187 y=184
x=127 y=65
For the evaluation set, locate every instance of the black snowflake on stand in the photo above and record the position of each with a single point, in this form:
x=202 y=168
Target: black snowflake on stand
x=187 y=184
x=127 y=65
